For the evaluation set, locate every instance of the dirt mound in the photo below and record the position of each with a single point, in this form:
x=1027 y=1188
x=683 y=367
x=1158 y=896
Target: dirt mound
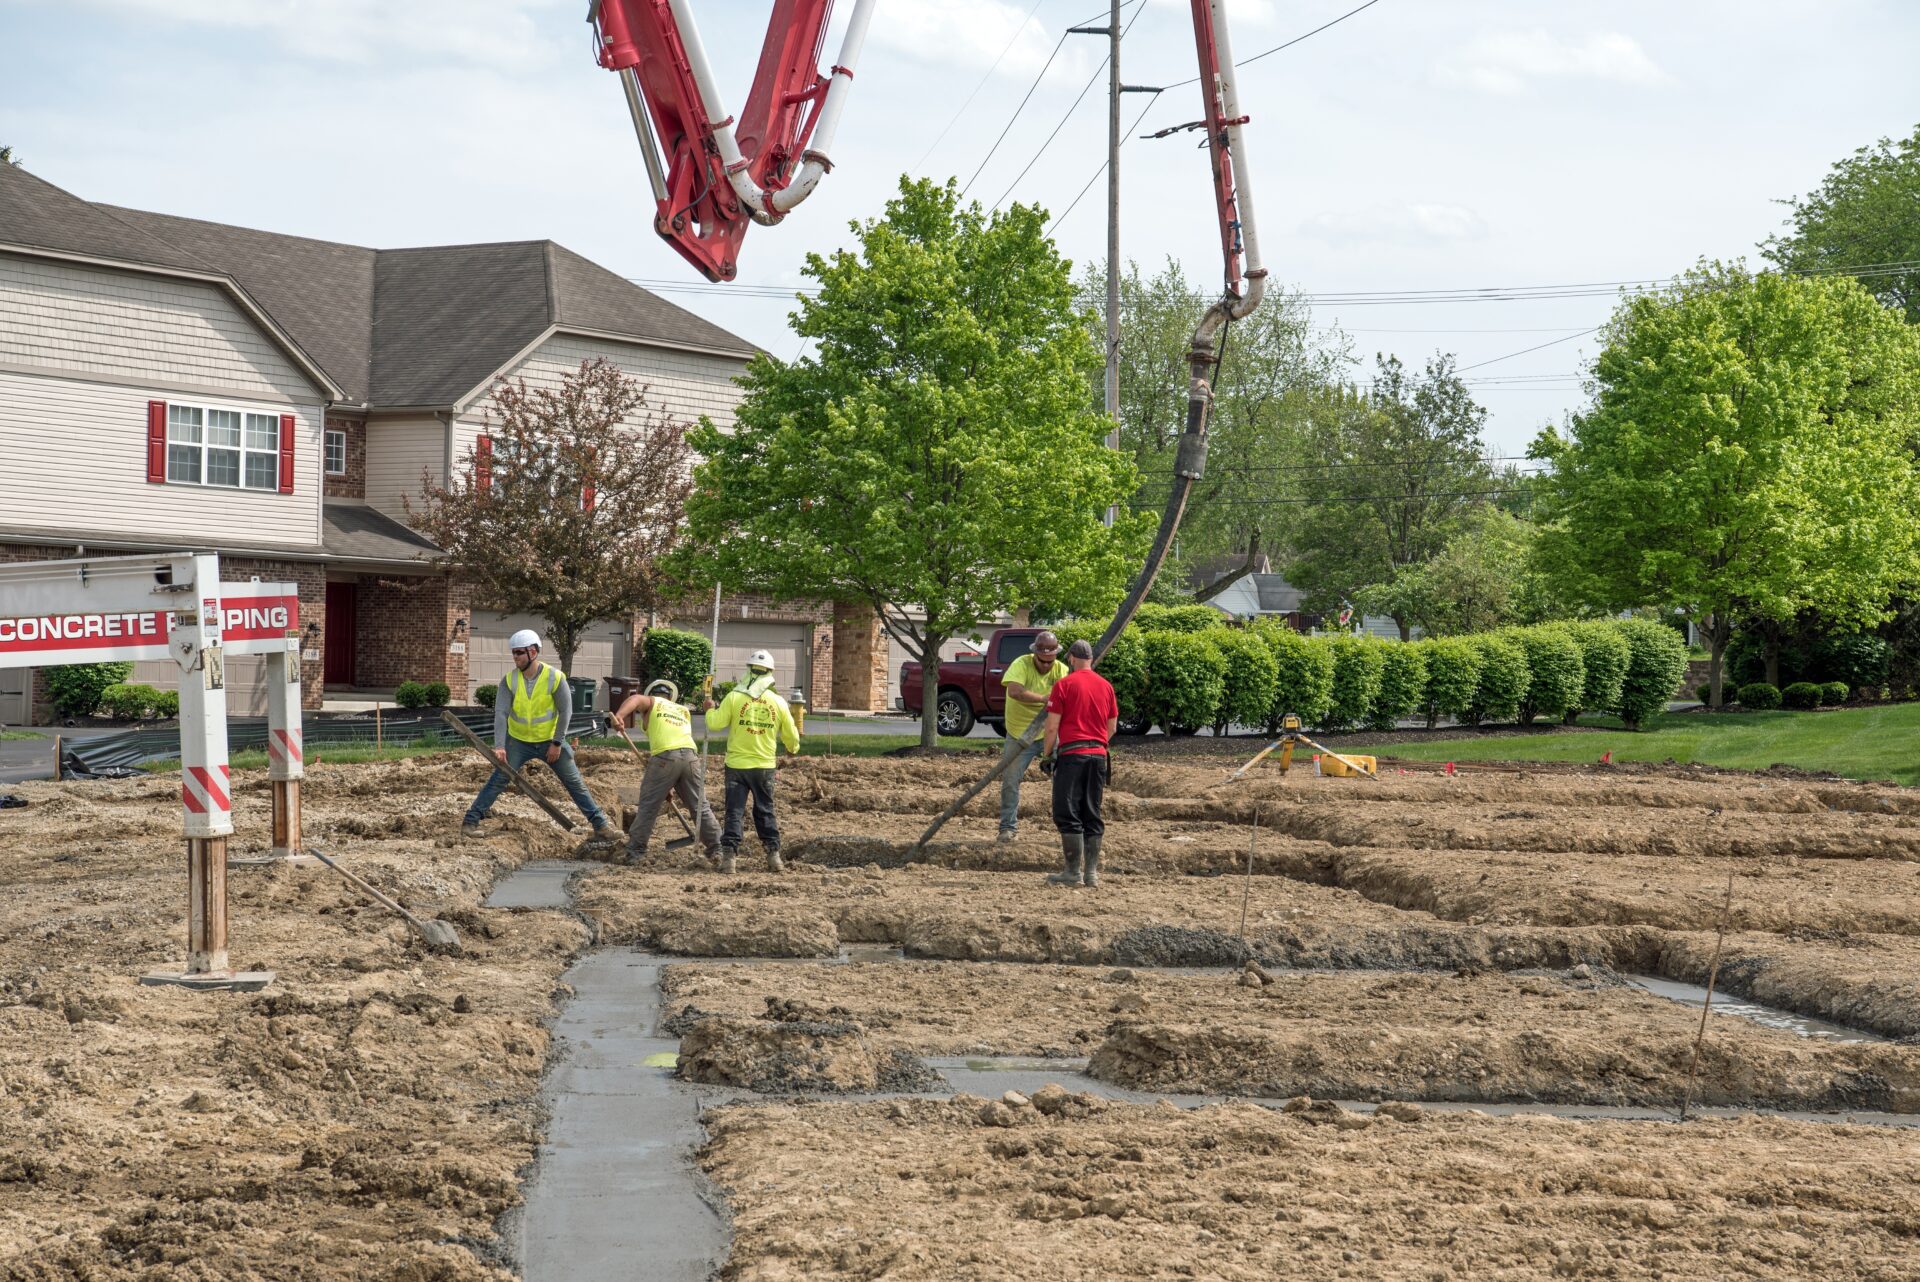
x=785 y=1051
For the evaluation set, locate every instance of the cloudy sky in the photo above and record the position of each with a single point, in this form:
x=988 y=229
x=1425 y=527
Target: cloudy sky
x=1419 y=145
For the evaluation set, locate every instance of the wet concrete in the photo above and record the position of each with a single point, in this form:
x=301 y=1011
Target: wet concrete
x=540 y=884
x=1766 y=1016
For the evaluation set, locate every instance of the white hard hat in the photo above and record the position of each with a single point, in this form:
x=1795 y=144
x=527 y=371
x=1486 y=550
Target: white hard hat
x=664 y=687
x=760 y=659
x=524 y=639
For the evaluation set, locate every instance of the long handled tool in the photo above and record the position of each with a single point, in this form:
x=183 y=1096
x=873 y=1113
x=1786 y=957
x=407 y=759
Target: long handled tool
x=678 y=842
x=437 y=935
x=512 y=774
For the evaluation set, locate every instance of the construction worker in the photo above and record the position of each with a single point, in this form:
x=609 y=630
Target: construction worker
x=1081 y=715
x=673 y=766
x=1028 y=681
x=757 y=721
x=531 y=713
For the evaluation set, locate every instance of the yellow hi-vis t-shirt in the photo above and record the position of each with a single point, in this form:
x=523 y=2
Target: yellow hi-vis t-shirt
x=1024 y=672
x=669 y=726
x=757 y=725
x=533 y=717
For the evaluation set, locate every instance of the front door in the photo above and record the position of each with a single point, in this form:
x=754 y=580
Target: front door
x=342 y=633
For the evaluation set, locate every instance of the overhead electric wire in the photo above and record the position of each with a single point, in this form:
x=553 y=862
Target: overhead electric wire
x=1011 y=41
x=1068 y=115
x=1288 y=45
x=1344 y=498
x=1061 y=217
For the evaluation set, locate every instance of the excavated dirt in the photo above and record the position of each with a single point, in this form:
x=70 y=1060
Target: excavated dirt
x=1482 y=1037
x=917 y=1189
x=792 y=1047
x=372 y=1113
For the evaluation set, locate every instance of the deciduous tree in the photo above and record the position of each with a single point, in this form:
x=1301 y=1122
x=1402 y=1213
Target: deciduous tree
x=1865 y=220
x=1747 y=455
x=936 y=455
x=572 y=505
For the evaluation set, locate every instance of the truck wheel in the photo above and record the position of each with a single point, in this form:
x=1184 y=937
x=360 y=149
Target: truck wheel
x=953 y=715
x=999 y=728
x=1133 y=724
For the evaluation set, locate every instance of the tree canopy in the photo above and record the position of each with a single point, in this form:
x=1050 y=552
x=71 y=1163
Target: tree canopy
x=937 y=454
x=1864 y=220
x=1747 y=455
x=569 y=507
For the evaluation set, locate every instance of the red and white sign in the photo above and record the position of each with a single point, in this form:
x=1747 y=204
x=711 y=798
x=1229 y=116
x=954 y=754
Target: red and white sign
x=248 y=618
x=205 y=789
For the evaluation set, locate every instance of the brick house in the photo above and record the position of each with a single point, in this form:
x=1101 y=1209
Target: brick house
x=274 y=398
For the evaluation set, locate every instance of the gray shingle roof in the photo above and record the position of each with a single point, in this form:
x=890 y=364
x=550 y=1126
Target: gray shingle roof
x=393 y=327
x=369 y=535
x=1277 y=596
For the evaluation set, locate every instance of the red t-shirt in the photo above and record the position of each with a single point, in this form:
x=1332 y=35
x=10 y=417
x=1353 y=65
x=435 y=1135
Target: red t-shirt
x=1085 y=703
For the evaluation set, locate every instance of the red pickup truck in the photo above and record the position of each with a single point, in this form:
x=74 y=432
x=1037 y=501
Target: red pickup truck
x=970 y=688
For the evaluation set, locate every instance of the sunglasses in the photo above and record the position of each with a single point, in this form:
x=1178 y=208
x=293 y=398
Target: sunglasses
x=523 y=650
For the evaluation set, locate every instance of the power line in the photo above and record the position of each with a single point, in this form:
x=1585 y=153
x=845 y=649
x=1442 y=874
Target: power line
x=1057 y=46
x=1069 y=112
x=1289 y=44
x=1345 y=498
x=1103 y=164
x=1552 y=342
x=1011 y=41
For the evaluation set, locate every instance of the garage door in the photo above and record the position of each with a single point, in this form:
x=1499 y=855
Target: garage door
x=786 y=642
x=602 y=651
x=898 y=654
x=13 y=696
x=246 y=681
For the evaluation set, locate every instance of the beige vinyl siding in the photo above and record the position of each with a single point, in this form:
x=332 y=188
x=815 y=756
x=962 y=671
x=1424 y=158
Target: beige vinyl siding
x=398 y=450
x=683 y=384
x=76 y=460
x=125 y=326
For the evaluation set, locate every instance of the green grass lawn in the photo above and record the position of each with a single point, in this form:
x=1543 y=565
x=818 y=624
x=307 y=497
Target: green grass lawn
x=10 y=736
x=813 y=745
x=1863 y=743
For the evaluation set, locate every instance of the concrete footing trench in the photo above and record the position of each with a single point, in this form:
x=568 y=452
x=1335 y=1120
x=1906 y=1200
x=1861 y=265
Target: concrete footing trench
x=616 y=1190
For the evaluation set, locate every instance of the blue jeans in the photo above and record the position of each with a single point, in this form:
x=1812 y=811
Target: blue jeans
x=519 y=753
x=1017 y=759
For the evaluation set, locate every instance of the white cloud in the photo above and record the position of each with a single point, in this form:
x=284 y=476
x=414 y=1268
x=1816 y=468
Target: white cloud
x=1420 y=222
x=1507 y=62
x=971 y=36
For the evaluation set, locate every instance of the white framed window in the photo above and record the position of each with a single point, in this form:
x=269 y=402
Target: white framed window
x=233 y=449
x=336 y=453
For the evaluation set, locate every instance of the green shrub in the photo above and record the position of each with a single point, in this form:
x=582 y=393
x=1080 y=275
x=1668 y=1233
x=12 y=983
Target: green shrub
x=421 y=694
x=1853 y=661
x=721 y=689
x=1179 y=618
x=1556 y=676
x=1357 y=669
x=129 y=702
x=1759 y=696
x=1453 y=674
x=166 y=703
x=1603 y=658
x=485 y=695
x=1252 y=676
x=1186 y=677
x=1801 y=694
x=1835 y=692
x=74 y=689
x=1704 y=692
x=1502 y=686
x=1403 y=684
x=1656 y=663
x=1303 y=676
x=684 y=658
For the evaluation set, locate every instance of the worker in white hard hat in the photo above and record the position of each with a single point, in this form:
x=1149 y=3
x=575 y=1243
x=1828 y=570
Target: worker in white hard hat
x=673 y=766
x=757 y=721
x=531 y=712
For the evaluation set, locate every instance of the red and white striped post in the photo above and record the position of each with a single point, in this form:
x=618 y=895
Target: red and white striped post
x=206 y=784
x=286 y=757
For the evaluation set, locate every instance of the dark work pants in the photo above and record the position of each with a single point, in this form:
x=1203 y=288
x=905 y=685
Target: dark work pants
x=757 y=784
x=1079 y=782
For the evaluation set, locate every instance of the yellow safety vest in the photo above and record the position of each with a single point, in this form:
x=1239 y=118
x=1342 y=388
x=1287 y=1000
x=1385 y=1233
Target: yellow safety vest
x=669 y=726
x=533 y=718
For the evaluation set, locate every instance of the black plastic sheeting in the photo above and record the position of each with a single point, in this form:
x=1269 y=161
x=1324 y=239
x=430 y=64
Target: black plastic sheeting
x=119 y=756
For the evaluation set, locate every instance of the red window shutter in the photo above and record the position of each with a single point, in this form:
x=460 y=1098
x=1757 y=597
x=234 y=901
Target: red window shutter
x=286 y=453
x=156 y=442
x=586 y=497
x=483 y=463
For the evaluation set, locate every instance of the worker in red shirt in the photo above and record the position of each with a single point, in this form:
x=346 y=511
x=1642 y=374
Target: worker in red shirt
x=1081 y=715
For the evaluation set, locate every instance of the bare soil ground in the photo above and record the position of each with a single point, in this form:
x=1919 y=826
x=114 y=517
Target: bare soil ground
x=370 y=1115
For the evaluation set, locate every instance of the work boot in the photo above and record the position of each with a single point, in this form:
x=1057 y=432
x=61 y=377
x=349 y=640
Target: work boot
x=1090 y=870
x=1072 y=850
x=774 y=862
x=604 y=831
x=727 y=857
x=472 y=832
x=1005 y=838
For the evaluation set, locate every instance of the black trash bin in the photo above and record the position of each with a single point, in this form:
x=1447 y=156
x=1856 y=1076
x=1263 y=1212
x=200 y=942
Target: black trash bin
x=583 y=692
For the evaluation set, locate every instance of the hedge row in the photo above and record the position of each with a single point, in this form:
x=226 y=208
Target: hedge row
x=1166 y=672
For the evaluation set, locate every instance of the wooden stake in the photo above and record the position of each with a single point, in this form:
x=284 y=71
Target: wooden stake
x=59 y=760
x=1713 y=973
x=1253 y=838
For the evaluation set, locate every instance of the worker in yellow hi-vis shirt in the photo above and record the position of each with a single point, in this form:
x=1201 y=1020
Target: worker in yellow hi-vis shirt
x=757 y=721
x=1028 y=681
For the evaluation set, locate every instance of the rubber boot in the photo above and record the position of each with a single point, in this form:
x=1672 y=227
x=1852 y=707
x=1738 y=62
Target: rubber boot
x=1072 y=849
x=727 y=856
x=1090 y=869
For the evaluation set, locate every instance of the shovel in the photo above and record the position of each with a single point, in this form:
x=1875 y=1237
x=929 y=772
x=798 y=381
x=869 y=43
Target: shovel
x=678 y=843
x=437 y=935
